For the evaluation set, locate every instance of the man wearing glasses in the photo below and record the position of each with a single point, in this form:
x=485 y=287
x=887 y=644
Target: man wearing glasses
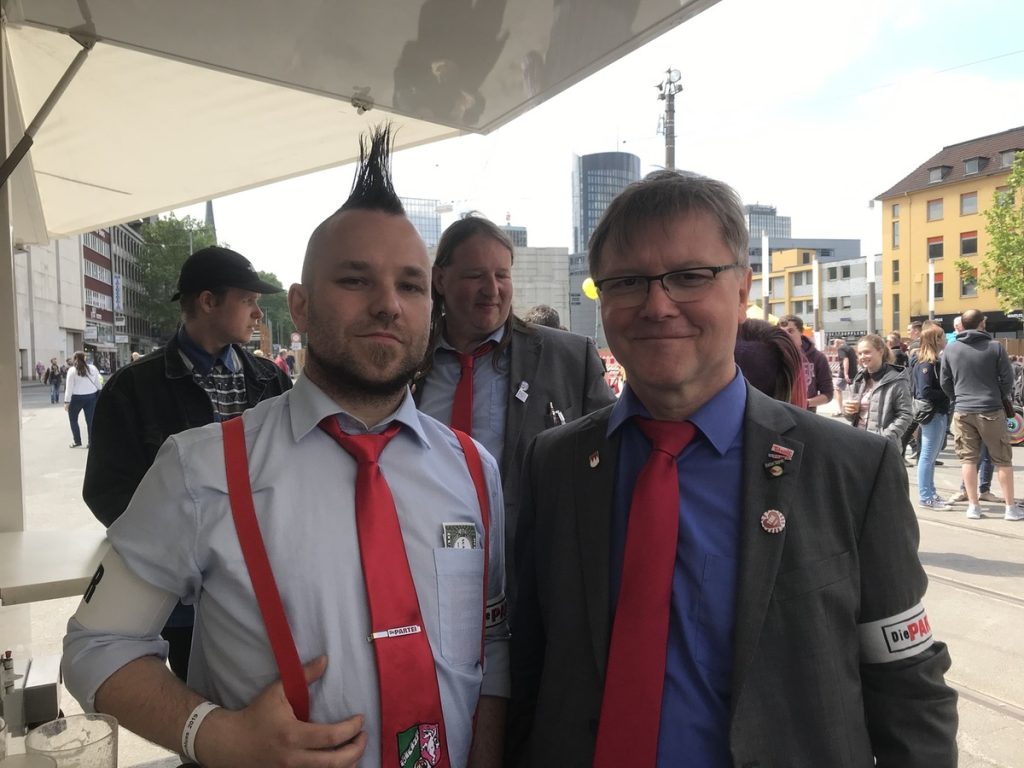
x=707 y=576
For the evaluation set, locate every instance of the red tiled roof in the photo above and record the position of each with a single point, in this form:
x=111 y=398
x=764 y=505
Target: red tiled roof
x=989 y=147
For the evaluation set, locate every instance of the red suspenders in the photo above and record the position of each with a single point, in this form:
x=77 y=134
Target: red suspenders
x=265 y=587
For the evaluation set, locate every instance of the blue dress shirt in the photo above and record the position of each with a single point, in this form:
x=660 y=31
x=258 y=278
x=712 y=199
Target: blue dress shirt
x=202 y=360
x=490 y=392
x=698 y=670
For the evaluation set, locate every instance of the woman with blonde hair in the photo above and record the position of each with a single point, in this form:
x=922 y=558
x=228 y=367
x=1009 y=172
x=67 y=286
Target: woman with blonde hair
x=931 y=406
x=879 y=400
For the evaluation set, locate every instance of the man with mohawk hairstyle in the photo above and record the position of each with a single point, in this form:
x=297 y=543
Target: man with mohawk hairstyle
x=328 y=517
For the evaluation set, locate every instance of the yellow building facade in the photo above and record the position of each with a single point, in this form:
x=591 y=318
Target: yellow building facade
x=935 y=216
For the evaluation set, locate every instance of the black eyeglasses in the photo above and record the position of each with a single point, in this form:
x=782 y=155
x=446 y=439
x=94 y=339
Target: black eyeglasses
x=681 y=285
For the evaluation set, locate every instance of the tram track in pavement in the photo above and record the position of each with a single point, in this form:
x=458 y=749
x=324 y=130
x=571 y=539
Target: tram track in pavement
x=1016 y=533
x=993 y=703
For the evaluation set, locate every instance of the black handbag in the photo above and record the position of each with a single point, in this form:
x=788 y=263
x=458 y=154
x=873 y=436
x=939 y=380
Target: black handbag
x=923 y=410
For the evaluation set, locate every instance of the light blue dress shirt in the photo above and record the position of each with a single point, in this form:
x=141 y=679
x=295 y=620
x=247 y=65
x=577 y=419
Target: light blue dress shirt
x=178 y=534
x=490 y=392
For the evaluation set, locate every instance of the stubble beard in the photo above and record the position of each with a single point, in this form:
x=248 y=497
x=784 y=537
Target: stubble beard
x=334 y=374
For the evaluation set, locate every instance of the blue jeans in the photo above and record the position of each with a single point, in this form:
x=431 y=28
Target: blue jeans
x=932 y=435
x=78 y=404
x=985 y=472
x=54 y=391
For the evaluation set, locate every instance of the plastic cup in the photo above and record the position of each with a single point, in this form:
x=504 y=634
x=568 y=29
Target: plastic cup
x=28 y=761
x=78 y=741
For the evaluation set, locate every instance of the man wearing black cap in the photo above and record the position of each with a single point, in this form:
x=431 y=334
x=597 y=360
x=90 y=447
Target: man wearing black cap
x=202 y=375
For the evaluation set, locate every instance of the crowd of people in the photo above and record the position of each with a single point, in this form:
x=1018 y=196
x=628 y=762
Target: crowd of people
x=448 y=543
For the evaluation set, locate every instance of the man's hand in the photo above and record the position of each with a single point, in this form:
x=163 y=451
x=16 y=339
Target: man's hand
x=266 y=733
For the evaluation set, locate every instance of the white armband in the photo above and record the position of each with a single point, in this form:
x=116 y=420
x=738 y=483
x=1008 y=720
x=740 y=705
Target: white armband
x=120 y=603
x=897 y=637
x=188 y=733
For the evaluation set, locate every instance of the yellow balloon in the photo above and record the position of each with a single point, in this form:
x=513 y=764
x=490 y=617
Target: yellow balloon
x=589 y=289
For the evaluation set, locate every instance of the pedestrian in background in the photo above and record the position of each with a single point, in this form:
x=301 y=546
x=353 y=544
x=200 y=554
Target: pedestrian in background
x=80 y=393
x=281 y=361
x=54 y=377
x=928 y=395
x=879 y=400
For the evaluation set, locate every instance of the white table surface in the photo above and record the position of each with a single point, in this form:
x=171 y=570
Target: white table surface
x=43 y=565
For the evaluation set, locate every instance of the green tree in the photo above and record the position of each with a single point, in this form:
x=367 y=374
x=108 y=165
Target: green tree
x=1002 y=267
x=275 y=309
x=168 y=242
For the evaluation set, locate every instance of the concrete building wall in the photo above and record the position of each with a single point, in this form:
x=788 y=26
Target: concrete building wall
x=541 y=276
x=49 y=300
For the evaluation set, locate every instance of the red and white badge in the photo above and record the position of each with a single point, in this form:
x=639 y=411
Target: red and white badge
x=773 y=521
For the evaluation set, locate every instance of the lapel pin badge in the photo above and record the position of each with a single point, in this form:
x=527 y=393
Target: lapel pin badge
x=594 y=460
x=521 y=393
x=773 y=521
x=780 y=452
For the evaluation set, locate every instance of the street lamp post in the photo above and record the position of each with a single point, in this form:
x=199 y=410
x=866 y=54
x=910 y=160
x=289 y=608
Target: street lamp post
x=667 y=90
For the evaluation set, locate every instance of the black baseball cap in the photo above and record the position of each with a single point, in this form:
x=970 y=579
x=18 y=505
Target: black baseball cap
x=212 y=268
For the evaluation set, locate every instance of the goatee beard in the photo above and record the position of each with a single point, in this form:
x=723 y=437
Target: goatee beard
x=337 y=378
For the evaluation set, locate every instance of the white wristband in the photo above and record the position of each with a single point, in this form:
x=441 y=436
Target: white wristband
x=188 y=733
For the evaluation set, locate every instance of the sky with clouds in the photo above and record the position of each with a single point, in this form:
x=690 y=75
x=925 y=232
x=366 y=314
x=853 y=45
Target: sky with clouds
x=813 y=107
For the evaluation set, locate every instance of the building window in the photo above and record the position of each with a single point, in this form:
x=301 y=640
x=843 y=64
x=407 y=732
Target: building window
x=972 y=166
x=803 y=308
x=896 y=311
x=802 y=278
x=934 y=247
x=895 y=210
x=938 y=173
x=845 y=302
x=1004 y=196
x=968 y=203
x=826 y=253
x=969 y=284
x=805 y=257
x=845 y=272
x=1006 y=158
x=895 y=270
x=969 y=243
x=938 y=285
x=935 y=209
x=833 y=302
x=895 y=234
x=832 y=273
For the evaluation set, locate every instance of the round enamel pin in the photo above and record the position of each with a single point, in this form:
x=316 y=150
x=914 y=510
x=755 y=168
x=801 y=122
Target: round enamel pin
x=775 y=471
x=773 y=521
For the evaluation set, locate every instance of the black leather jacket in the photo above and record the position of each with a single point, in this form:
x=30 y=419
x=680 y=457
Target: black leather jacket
x=141 y=406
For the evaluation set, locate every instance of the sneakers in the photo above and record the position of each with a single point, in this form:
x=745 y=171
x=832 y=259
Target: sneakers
x=959 y=498
x=1014 y=514
x=974 y=513
x=937 y=504
x=989 y=496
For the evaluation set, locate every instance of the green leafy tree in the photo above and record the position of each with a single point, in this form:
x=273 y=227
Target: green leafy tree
x=1002 y=267
x=168 y=242
x=275 y=309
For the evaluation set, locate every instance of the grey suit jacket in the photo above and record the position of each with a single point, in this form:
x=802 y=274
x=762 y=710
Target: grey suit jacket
x=801 y=693
x=560 y=368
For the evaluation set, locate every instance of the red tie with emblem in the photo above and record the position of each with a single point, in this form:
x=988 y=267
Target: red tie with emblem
x=462 y=405
x=627 y=732
x=412 y=729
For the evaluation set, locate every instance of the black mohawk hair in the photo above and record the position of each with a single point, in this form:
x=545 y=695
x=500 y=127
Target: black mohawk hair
x=371 y=187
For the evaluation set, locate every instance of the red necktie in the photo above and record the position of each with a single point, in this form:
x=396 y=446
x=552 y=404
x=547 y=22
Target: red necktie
x=627 y=732
x=411 y=719
x=462 y=406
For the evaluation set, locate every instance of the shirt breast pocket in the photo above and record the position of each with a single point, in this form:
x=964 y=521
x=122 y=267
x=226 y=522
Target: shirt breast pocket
x=460 y=583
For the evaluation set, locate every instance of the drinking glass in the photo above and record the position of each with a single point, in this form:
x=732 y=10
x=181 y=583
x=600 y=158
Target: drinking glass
x=77 y=741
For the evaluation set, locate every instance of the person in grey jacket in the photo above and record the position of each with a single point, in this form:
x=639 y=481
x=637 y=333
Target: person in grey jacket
x=879 y=400
x=977 y=377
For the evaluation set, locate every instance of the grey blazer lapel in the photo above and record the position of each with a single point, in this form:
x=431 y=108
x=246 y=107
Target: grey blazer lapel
x=524 y=357
x=760 y=552
x=594 y=459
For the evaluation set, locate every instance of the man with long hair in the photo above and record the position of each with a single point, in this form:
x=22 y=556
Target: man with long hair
x=491 y=374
